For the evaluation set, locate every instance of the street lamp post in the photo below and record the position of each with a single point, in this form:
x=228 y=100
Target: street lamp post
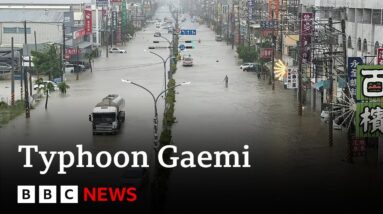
x=164 y=62
x=155 y=99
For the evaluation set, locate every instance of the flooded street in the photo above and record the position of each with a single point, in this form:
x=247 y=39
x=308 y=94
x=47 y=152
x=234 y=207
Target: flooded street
x=289 y=155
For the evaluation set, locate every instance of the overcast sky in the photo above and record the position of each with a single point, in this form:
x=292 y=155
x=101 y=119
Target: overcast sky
x=44 y=1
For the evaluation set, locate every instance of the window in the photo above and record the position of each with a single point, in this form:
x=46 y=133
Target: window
x=376 y=48
x=18 y=30
x=364 y=45
x=349 y=42
x=359 y=44
x=10 y=30
x=21 y=30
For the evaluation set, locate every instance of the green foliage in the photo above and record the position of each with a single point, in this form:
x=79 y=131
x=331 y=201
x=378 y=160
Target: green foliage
x=8 y=112
x=247 y=54
x=47 y=62
x=63 y=87
x=169 y=118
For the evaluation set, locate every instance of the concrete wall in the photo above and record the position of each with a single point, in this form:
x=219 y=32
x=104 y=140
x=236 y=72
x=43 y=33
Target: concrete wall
x=45 y=33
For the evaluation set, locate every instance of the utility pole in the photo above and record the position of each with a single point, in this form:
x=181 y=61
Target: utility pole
x=106 y=36
x=239 y=26
x=273 y=55
x=27 y=111
x=330 y=118
x=111 y=30
x=29 y=59
x=13 y=74
x=34 y=35
x=228 y=24
x=300 y=48
x=348 y=92
x=78 y=59
x=21 y=74
x=63 y=54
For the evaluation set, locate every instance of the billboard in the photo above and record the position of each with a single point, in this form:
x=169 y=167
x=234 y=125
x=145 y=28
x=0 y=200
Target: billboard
x=352 y=64
x=369 y=109
x=88 y=21
x=292 y=78
x=305 y=37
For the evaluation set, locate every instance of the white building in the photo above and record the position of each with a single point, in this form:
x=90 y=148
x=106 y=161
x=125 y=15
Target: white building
x=364 y=24
x=46 y=22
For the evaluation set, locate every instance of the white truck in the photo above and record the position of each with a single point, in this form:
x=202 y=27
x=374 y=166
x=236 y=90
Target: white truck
x=108 y=115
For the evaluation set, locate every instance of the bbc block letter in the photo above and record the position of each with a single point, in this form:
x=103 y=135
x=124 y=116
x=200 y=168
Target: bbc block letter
x=47 y=194
x=26 y=194
x=69 y=194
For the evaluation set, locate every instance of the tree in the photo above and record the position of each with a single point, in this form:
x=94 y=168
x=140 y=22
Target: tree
x=48 y=62
x=63 y=87
x=48 y=87
x=90 y=56
x=247 y=54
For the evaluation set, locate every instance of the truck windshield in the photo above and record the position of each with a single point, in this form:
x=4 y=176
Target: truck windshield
x=104 y=117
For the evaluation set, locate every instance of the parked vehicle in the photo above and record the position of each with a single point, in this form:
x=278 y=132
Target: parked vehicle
x=5 y=67
x=187 y=61
x=252 y=67
x=247 y=64
x=43 y=85
x=218 y=38
x=117 y=50
x=157 y=34
x=108 y=115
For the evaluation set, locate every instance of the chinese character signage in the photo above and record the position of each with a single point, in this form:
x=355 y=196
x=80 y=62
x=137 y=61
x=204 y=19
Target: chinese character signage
x=274 y=5
x=79 y=34
x=369 y=110
x=369 y=119
x=101 y=3
x=250 y=4
x=370 y=83
x=292 y=78
x=114 y=20
x=380 y=55
x=266 y=53
x=353 y=62
x=305 y=37
x=88 y=22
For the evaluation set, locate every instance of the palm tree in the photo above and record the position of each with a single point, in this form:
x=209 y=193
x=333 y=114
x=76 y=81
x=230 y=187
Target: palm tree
x=48 y=87
x=63 y=87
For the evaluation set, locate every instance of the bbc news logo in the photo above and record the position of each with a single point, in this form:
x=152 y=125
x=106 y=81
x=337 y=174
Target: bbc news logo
x=48 y=194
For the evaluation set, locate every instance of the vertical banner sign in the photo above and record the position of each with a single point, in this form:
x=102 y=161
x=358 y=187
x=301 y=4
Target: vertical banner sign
x=88 y=21
x=250 y=8
x=352 y=63
x=380 y=55
x=369 y=110
x=292 y=77
x=274 y=5
x=118 y=34
x=305 y=37
x=114 y=20
x=124 y=20
x=68 y=22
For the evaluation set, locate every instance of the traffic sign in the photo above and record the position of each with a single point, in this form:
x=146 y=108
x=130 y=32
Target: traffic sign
x=188 y=32
x=182 y=47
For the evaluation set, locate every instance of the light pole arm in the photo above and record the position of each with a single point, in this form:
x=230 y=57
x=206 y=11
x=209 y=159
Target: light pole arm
x=170 y=43
x=159 y=95
x=163 y=60
x=154 y=99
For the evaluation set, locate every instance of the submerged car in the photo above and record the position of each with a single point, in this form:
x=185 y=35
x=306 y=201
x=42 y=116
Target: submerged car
x=117 y=50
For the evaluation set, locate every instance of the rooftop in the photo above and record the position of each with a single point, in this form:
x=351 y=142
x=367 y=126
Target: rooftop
x=38 y=15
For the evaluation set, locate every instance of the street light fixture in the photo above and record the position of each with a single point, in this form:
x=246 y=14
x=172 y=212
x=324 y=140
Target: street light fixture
x=155 y=99
x=164 y=62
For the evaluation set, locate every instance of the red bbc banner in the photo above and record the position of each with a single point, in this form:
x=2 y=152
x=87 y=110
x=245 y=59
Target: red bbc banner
x=380 y=56
x=88 y=22
x=266 y=53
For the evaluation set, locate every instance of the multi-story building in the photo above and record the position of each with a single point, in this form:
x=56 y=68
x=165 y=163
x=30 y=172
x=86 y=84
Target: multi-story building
x=364 y=22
